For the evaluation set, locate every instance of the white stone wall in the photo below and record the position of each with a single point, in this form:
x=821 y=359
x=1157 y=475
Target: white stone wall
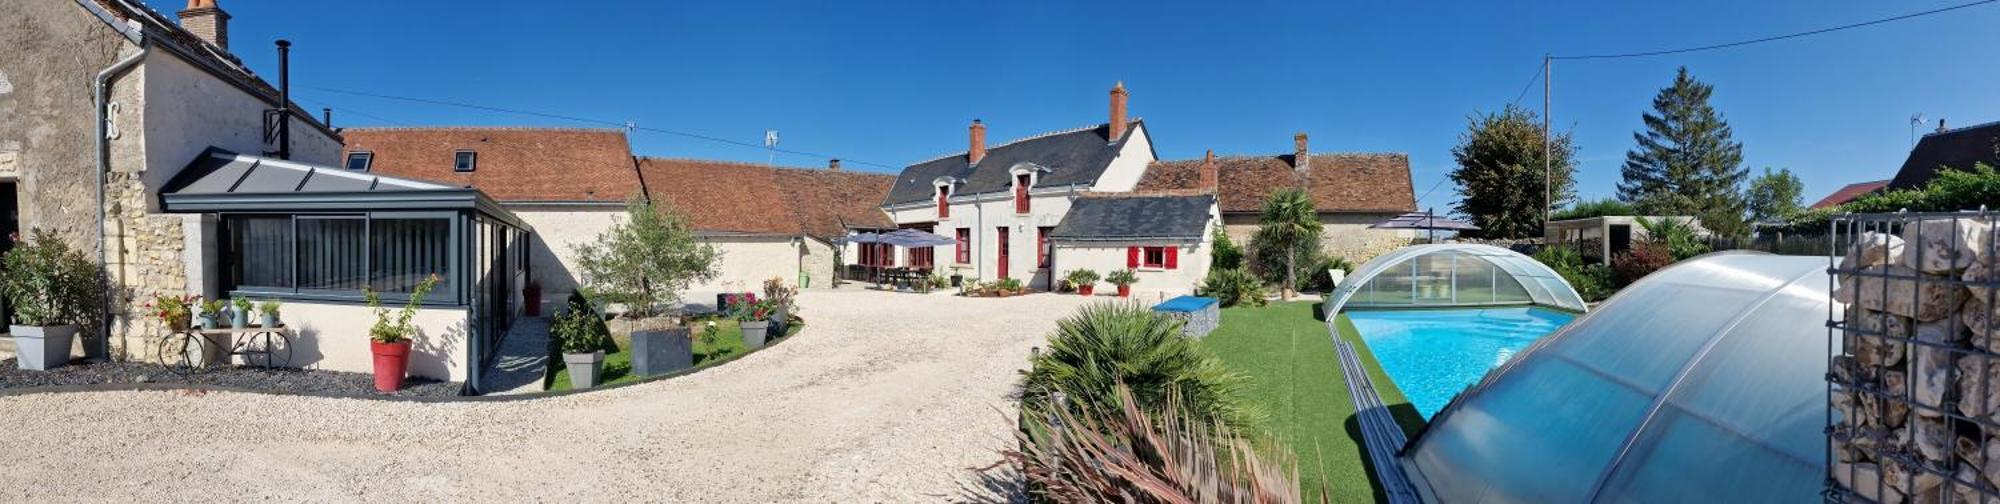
x=559 y=229
x=746 y=262
x=1153 y=282
x=188 y=110
x=334 y=336
x=1124 y=172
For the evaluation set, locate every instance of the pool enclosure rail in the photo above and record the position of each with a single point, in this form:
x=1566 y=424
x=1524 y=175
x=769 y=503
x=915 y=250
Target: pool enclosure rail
x=1381 y=436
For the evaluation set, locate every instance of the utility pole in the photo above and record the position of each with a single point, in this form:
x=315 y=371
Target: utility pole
x=1548 y=150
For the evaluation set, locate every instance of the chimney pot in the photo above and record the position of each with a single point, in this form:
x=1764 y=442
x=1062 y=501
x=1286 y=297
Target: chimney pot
x=1940 y=125
x=833 y=164
x=1118 y=95
x=207 y=22
x=1301 y=158
x=977 y=150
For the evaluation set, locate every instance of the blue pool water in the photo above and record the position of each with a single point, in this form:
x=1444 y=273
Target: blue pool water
x=1432 y=355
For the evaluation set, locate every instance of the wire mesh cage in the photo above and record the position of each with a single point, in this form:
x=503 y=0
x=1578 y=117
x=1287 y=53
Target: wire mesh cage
x=1913 y=376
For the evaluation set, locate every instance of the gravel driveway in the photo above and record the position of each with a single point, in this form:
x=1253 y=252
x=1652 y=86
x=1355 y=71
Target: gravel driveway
x=883 y=398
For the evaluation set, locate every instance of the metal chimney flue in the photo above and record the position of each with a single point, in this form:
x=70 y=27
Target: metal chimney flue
x=284 y=99
x=326 y=116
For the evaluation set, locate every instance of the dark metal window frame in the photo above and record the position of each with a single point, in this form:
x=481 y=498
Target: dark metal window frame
x=367 y=161
x=465 y=160
x=455 y=273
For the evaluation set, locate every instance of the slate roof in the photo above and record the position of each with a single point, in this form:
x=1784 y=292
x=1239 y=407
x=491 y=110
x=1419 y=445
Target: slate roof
x=1075 y=156
x=726 y=198
x=513 y=164
x=167 y=33
x=1848 y=193
x=1342 y=182
x=1958 y=149
x=1135 y=217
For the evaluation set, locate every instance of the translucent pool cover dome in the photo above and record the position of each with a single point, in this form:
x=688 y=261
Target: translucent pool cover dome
x=1703 y=382
x=1453 y=274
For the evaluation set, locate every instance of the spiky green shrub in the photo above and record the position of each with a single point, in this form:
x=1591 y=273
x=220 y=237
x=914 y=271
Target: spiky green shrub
x=1127 y=453
x=1103 y=344
x=1231 y=287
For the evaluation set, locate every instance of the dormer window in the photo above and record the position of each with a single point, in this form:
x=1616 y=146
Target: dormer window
x=465 y=161
x=944 y=207
x=360 y=160
x=1021 y=183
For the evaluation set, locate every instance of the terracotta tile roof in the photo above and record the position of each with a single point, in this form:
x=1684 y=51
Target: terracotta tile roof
x=721 y=197
x=1343 y=182
x=513 y=164
x=1849 y=192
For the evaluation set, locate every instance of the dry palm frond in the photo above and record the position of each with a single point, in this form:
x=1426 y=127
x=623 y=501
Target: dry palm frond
x=1128 y=454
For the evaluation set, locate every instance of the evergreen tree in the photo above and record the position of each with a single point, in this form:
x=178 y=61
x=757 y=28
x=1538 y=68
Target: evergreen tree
x=1686 y=162
x=1500 y=173
x=1774 y=196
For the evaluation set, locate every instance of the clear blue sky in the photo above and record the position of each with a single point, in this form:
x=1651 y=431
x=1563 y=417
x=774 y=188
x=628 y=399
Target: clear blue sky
x=895 y=84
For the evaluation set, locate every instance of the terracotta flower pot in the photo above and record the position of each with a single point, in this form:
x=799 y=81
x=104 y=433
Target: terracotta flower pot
x=1124 y=291
x=1086 y=290
x=392 y=361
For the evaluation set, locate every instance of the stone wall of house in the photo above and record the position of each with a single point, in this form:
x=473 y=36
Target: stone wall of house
x=148 y=258
x=1342 y=235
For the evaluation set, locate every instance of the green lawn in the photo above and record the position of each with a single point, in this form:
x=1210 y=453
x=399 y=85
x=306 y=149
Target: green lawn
x=1296 y=382
x=618 y=366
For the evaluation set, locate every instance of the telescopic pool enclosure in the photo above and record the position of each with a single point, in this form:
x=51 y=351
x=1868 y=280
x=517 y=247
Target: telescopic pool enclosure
x=1700 y=383
x=1453 y=274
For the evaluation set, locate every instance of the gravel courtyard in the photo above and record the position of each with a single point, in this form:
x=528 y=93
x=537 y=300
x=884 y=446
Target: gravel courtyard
x=883 y=398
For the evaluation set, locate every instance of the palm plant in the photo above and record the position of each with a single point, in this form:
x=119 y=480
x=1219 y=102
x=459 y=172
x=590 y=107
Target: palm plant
x=1127 y=453
x=1102 y=345
x=1287 y=222
x=1679 y=235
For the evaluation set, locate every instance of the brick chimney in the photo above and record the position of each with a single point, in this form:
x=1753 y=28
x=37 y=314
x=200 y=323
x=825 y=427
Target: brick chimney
x=207 y=21
x=1301 y=158
x=1117 y=112
x=1208 y=171
x=977 y=150
x=833 y=164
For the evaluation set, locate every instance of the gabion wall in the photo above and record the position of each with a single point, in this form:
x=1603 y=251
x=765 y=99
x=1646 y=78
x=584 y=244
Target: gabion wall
x=1913 y=384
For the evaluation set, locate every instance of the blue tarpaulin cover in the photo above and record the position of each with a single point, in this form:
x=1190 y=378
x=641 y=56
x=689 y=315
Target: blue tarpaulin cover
x=1185 y=304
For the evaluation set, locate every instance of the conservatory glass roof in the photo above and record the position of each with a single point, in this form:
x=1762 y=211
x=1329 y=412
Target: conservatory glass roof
x=1453 y=274
x=1702 y=382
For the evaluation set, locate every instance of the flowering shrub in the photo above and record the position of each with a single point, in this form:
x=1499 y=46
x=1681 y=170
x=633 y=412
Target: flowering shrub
x=1644 y=259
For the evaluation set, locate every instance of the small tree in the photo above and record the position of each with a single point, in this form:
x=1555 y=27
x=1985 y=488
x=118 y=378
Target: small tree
x=1225 y=252
x=646 y=260
x=1288 y=222
x=1774 y=196
x=1501 y=173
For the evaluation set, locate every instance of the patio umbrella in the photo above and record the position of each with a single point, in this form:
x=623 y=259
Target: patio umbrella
x=911 y=238
x=1425 y=220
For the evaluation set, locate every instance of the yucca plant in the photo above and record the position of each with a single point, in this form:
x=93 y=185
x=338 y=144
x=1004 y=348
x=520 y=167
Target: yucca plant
x=1127 y=453
x=1102 y=345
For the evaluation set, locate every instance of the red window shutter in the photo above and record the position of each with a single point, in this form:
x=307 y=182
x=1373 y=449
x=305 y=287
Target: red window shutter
x=1173 y=257
x=1131 y=257
x=944 y=207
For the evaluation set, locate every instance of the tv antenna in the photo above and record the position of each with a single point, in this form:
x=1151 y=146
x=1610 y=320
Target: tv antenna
x=1916 y=120
x=771 y=147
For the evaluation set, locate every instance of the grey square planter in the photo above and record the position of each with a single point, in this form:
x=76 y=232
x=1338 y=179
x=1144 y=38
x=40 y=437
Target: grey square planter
x=584 y=369
x=41 y=348
x=753 y=333
x=660 y=351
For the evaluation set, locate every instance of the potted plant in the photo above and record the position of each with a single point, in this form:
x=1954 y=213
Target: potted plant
x=239 y=313
x=531 y=298
x=389 y=338
x=781 y=298
x=270 y=310
x=1123 y=279
x=582 y=336
x=52 y=289
x=958 y=278
x=755 y=321
x=1085 y=281
x=211 y=314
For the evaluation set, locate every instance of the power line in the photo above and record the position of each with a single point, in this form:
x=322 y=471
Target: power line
x=1530 y=85
x=1778 y=37
x=1434 y=187
x=615 y=124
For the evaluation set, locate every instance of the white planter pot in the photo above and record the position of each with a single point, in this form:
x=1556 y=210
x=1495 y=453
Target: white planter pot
x=41 y=348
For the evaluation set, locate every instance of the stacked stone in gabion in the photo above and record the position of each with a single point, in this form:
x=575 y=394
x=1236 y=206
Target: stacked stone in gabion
x=1198 y=315
x=1918 y=353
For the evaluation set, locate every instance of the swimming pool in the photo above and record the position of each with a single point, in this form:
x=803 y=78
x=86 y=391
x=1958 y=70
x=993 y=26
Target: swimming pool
x=1432 y=355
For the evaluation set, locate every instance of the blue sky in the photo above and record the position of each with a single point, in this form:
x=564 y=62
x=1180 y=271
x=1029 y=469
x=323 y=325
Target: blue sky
x=898 y=83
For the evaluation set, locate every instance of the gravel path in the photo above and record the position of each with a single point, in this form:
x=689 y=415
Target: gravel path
x=883 y=398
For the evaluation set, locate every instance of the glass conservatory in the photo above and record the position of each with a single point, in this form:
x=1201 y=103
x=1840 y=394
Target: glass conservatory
x=1453 y=274
x=1700 y=383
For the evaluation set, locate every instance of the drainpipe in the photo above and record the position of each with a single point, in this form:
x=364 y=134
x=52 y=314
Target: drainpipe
x=102 y=97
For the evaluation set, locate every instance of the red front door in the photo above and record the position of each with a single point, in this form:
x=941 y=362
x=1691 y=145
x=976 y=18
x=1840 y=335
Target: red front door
x=1002 y=242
